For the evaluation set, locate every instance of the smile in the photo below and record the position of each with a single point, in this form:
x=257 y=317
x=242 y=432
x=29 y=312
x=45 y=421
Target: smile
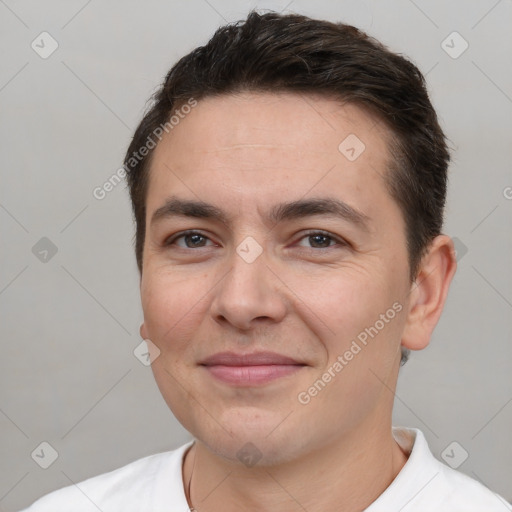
x=250 y=369
x=250 y=375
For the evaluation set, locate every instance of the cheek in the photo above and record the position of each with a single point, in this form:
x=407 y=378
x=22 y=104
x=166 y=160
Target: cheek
x=346 y=304
x=340 y=297
x=171 y=307
x=361 y=346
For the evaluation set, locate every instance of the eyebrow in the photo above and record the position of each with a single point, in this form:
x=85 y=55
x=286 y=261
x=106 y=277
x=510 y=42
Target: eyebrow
x=175 y=207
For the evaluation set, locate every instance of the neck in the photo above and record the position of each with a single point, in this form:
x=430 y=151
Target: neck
x=345 y=475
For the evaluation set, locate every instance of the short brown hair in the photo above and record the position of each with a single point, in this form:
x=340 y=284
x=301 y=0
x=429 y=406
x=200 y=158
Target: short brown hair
x=293 y=53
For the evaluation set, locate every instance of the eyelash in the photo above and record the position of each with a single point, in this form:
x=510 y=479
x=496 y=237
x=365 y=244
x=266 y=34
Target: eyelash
x=170 y=241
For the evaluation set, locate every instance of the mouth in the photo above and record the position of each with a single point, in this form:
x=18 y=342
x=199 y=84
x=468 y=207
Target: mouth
x=250 y=369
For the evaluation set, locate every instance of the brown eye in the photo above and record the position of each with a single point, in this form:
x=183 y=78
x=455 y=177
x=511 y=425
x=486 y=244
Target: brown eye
x=320 y=240
x=194 y=240
x=189 y=240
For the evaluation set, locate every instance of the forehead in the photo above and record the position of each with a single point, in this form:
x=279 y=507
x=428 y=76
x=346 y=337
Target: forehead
x=313 y=122
x=267 y=144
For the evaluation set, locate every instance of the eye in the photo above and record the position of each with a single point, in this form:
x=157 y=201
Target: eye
x=320 y=240
x=188 y=240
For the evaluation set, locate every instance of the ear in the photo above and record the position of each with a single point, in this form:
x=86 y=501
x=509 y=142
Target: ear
x=143 y=331
x=428 y=292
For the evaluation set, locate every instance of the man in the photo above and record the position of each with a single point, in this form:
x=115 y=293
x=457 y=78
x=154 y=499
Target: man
x=288 y=187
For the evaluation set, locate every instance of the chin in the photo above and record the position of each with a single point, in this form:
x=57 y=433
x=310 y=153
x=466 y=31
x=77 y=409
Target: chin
x=251 y=437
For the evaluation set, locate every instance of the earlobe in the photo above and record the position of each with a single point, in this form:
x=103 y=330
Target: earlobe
x=143 y=331
x=428 y=293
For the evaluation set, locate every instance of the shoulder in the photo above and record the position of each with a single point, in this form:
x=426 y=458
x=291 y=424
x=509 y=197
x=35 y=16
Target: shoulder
x=456 y=491
x=131 y=487
x=427 y=484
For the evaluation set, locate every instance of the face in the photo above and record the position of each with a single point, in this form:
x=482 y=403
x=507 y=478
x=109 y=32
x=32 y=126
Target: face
x=297 y=249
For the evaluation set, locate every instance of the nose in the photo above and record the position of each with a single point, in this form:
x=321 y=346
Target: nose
x=249 y=295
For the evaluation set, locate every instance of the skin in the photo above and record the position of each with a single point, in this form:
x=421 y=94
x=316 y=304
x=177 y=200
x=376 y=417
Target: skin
x=245 y=153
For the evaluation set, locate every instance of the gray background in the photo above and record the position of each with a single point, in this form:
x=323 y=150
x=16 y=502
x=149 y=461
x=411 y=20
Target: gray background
x=70 y=324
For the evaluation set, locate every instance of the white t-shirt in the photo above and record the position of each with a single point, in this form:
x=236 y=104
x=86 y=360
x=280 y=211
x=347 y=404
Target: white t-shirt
x=155 y=484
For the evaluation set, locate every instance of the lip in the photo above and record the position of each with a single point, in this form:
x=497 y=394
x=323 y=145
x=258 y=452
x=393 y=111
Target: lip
x=250 y=369
x=254 y=359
